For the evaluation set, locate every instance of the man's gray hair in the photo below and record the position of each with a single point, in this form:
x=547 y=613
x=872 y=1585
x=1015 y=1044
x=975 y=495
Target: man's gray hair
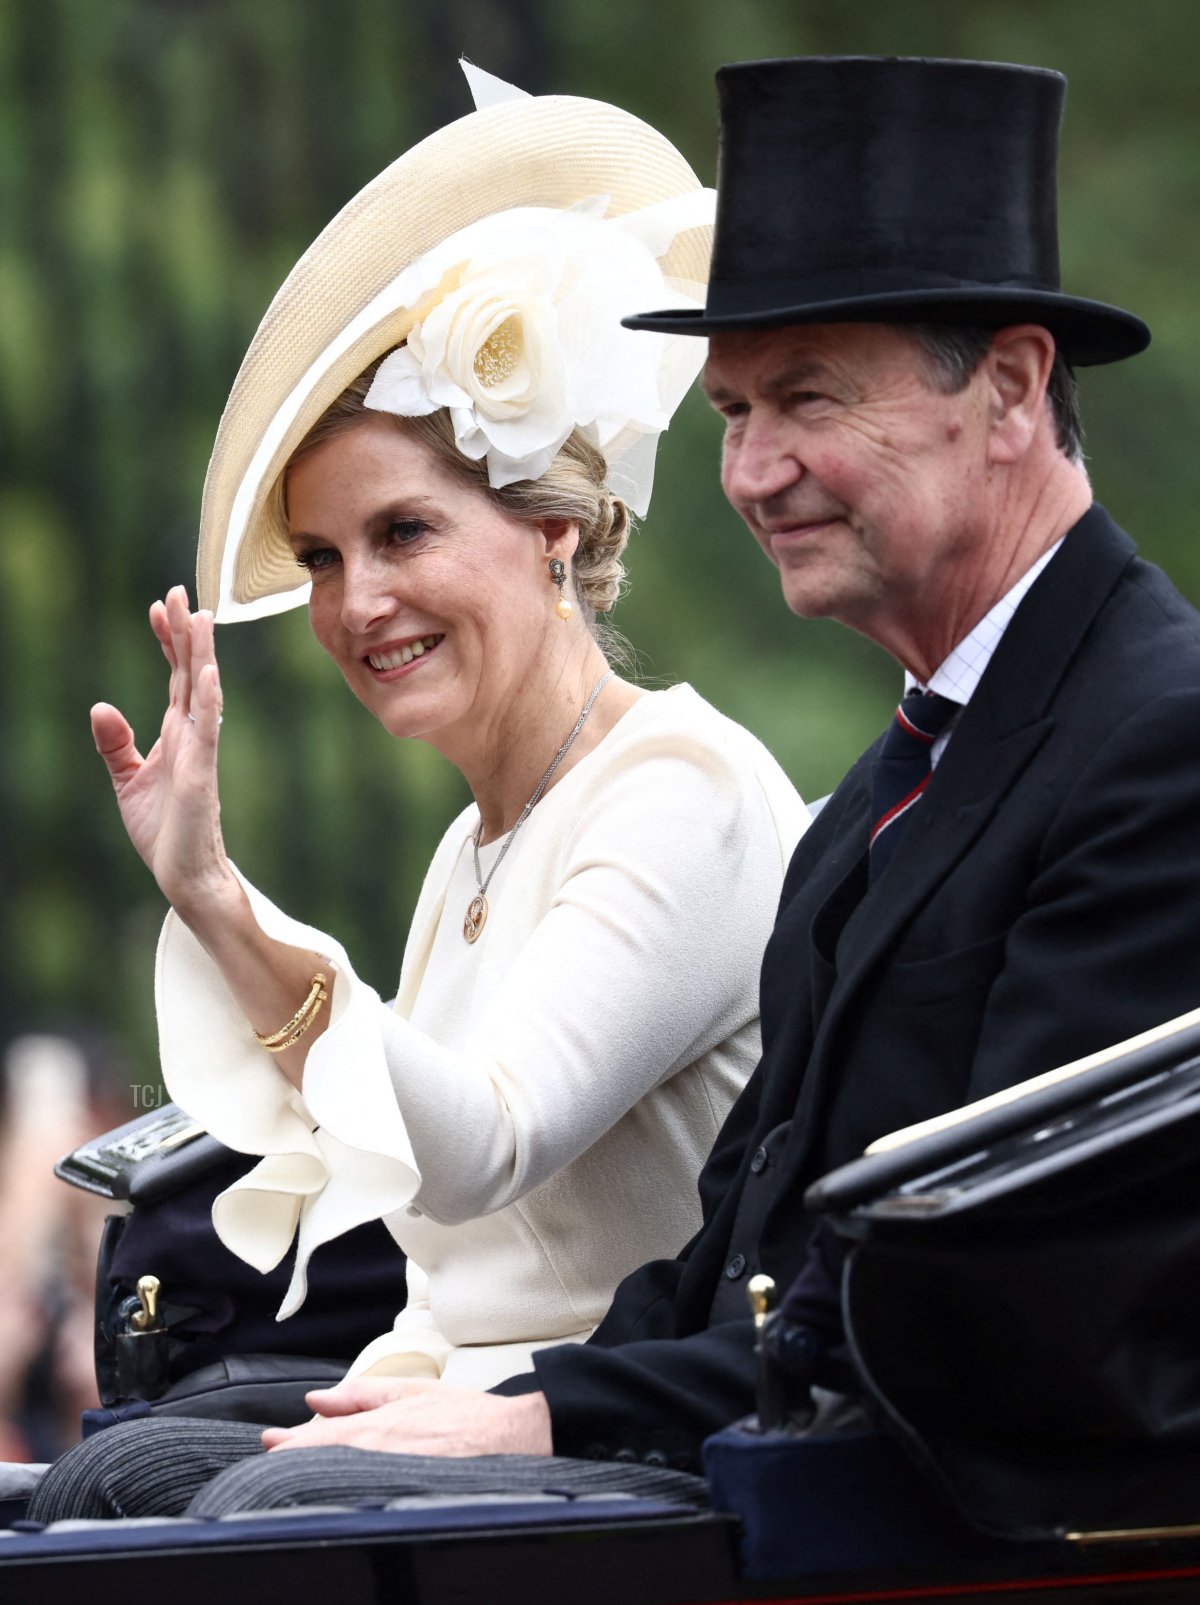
x=954 y=353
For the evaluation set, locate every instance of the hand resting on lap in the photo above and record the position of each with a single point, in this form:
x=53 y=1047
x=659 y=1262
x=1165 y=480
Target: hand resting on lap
x=419 y=1416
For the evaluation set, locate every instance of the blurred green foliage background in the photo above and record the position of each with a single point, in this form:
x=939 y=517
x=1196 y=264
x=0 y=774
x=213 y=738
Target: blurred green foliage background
x=163 y=163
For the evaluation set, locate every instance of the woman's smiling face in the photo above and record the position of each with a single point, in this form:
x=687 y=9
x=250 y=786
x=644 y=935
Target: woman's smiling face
x=431 y=600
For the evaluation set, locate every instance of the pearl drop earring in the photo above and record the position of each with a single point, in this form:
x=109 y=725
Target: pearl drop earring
x=558 y=575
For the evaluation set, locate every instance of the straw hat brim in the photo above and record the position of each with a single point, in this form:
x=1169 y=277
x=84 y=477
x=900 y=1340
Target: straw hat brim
x=551 y=150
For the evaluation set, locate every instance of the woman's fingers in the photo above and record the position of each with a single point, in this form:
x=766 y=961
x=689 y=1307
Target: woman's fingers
x=205 y=714
x=168 y=799
x=206 y=679
x=205 y=711
x=179 y=624
x=162 y=630
x=113 y=736
x=186 y=639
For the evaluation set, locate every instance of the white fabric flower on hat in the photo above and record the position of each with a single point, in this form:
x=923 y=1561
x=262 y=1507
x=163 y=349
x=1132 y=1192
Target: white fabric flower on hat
x=517 y=333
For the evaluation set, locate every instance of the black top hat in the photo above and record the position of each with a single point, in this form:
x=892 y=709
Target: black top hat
x=856 y=188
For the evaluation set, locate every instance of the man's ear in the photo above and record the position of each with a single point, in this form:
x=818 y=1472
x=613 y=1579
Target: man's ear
x=1018 y=367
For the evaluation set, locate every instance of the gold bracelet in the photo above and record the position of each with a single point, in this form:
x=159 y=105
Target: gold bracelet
x=288 y=1035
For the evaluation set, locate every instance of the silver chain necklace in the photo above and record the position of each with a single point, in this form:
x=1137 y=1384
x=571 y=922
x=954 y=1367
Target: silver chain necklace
x=477 y=909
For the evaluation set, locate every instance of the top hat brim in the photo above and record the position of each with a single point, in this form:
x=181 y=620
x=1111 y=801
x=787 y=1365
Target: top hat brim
x=1087 y=332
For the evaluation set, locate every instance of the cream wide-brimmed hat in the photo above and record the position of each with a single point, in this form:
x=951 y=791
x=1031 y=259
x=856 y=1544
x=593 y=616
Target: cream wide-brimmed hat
x=343 y=304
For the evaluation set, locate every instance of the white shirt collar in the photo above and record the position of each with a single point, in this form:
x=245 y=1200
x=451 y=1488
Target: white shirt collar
x=960 y=673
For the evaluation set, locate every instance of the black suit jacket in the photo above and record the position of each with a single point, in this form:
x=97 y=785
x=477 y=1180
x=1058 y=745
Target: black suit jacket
x=1044 y=902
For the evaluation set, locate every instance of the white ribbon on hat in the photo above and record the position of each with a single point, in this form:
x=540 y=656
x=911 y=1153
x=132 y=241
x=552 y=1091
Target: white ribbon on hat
x=519 y=332
x=519 y=336
x=486 y=89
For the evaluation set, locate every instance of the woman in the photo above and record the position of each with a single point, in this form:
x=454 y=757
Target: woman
x=578 y=1000
x=580 y=1024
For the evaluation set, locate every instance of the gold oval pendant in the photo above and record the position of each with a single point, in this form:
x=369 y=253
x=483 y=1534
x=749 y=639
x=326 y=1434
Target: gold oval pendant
x=476 y=917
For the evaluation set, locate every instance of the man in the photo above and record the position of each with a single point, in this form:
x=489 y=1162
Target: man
x=890 y=351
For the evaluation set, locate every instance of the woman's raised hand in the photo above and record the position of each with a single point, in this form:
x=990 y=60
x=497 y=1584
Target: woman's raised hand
x=168 y=799
x=169 y=804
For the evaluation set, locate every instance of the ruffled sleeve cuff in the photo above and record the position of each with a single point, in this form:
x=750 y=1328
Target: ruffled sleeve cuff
x=336 y=1155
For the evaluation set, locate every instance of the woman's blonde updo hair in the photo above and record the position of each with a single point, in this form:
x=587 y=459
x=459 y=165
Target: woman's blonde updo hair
x=572 y=488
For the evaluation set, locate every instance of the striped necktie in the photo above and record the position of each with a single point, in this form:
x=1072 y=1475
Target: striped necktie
x=903 y=768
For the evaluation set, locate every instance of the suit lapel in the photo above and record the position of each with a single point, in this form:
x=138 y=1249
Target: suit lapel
x=848 y=871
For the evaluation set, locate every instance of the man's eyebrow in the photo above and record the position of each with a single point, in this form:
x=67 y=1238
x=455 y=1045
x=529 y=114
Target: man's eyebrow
x=795 y=375
x=714 y=389
x=789 y=378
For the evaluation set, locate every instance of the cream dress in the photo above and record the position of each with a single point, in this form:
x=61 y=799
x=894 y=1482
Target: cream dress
x=530 y=1116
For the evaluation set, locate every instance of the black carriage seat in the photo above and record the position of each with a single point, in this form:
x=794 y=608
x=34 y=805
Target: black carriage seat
x=1021 y=1297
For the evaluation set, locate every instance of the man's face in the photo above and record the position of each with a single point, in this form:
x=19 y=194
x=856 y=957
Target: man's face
x=863 y=483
